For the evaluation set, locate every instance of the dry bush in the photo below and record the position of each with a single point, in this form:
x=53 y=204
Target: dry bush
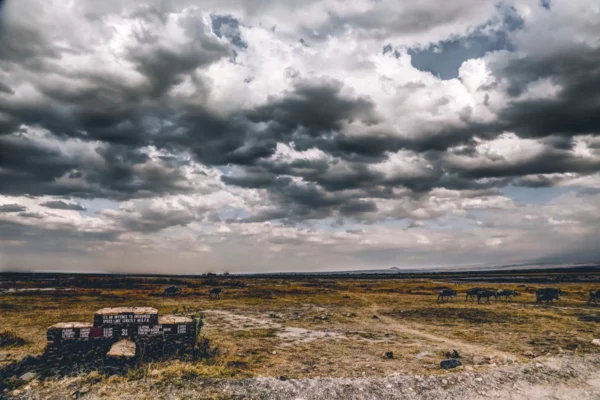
x=10 y=339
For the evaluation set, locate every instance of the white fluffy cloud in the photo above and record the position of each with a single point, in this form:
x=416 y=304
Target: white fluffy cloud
x=253 y=135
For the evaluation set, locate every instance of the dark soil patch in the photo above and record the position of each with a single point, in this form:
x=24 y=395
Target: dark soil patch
x=589 y=318
x=449 y=315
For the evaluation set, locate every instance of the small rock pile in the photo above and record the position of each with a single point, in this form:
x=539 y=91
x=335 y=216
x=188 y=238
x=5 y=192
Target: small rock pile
x=452 y=361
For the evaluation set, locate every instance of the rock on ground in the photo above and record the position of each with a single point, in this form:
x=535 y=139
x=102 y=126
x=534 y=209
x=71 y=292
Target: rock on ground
x=122 y=349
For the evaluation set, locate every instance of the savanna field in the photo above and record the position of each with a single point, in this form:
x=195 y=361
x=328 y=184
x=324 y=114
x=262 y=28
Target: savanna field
x=296 y=328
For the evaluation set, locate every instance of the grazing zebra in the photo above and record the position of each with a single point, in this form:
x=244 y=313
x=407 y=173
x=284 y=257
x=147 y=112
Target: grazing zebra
x=451 y=294
x=214 y=292
x=472 y=293
x=487 y=294
x=594 y=296
x=507 y=294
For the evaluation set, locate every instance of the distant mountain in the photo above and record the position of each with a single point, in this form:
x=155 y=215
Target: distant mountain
x=455 y=269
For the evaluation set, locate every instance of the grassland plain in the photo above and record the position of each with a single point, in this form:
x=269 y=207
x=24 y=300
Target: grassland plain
x=305 y=328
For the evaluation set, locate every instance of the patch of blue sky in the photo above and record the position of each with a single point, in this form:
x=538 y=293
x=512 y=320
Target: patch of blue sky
x=232 y=213
x=526 y=195
x=444 y=58
x=94 y=206
x=225 y=169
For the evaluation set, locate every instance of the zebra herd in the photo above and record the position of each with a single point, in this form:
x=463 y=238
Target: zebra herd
x=543 y=295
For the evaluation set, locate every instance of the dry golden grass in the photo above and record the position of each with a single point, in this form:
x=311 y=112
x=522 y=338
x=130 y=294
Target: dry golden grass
x=409 y=322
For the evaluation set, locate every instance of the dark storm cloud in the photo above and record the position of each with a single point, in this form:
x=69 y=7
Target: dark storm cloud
x=62 y=205
x=125 y=118
x=5 y=88
x=550 y=162
x=122 y=117
x=130 y=173
x=312 y=114
x=318 y=108
x=303 y=115
x=355 y=207
x=297 y=202
x=33 y=215
x=12 y=208
x=259 y=179
x=574 y=111
x=29 y=167
x=151 y=221
x=21 y=43
x=164 y=67
x=104 y=108
x=26 y=166
x=217 y=140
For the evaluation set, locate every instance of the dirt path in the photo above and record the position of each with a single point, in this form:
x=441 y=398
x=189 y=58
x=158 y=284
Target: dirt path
x=450 y=342
x=294 y=335
x=420 y=334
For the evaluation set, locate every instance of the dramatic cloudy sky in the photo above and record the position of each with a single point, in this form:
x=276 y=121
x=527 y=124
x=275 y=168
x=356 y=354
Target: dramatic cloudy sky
x=261 y=135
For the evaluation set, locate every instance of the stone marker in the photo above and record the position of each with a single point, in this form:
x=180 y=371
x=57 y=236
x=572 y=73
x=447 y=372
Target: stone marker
x=151 y=335
x=122 y=349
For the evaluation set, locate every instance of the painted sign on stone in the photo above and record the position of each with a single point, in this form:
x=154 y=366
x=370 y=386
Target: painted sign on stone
x=85 y=333
x=145 y=330
x=119 y=319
